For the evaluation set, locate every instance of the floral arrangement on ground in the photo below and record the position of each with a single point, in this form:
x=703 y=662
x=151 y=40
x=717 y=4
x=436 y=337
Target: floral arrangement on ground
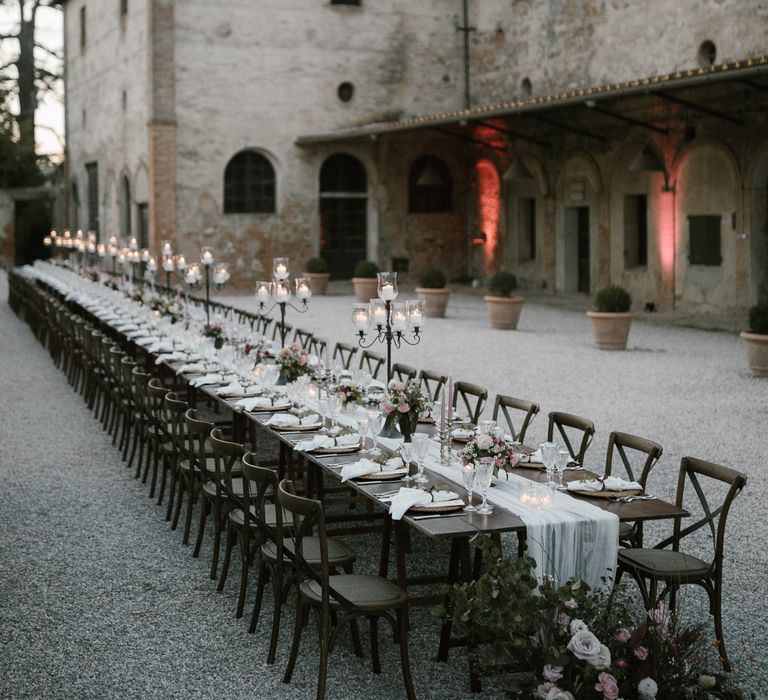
x=575 y=643
x=294 y=362
x=485 y=446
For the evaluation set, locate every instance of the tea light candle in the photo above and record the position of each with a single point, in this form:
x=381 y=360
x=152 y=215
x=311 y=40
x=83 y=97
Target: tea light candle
x=47 y=241
x=280 y=268
x=206 y=257
x=281 y=292
x=221 y=273
x=166 y=249
x=262 y=291
x=303 y=291
x=133 y=244
x=360 y=317
x=145 y=255
x=181 y=263
x=101 y=249
x=379 y=312
x=168 y=264
x=399 y=319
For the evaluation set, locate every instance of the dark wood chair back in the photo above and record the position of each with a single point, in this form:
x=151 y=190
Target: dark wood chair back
x=570 y=426
x=344 y=353
x=638 y=455
x=403 y=372
x=431 y=383
x=371 y=362
x=473 y=398
x=510 y=408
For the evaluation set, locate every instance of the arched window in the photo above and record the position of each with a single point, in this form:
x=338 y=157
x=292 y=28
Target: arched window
x=342 y=173
x=430 y=186
x=249 y=184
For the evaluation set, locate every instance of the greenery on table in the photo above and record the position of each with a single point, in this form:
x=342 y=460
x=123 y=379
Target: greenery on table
x=366 y=268
x=758 y=318
x=572 y=642
x=432 y=278
x=316 y=266
x=502 y=284
x=613 y=299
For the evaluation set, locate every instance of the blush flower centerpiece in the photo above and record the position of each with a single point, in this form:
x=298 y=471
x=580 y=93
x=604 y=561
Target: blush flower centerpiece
x=294 y=363
x=402 y=404
x=486 y=445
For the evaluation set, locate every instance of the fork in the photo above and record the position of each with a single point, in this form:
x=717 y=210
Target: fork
x=629 y=499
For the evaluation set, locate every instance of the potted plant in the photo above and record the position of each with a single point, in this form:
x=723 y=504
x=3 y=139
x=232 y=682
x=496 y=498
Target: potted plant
x=756 y=339
x=316 y=270
x=433 y=292
x=365 y=280
x=503 y=308
x=612 y=317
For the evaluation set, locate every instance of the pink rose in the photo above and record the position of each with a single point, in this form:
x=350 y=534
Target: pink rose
x=585 y=646
x=641 y=653
x=571 y=603
x=621 y=663
x=563 y=620
x=622 y=635
x=608 y=686
x=543 y=689
x=403 y=408
x=552 y=673
x=389 y=407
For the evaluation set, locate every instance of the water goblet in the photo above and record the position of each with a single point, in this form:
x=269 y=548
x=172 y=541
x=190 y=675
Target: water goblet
x=468 y=473
x=375 y=424
x=420 y=448
x=563 y=457
x=549 y=451
x=483 y=476
x=406 y=453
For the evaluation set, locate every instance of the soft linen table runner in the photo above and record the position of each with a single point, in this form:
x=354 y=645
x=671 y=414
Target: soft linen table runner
x=569 y=538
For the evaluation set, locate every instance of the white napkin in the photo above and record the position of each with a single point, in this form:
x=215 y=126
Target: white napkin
x=535 y=456
x=286 y=420
x=610 y=483
x=327 y=441
x=376 y=384
x=191 y=367
x=170 y=357
x=138 y=333
x=254 y=402
x=160 y=346
x=207 y=379
x=462 y=433
x=407 y=498
x=232 y=389
x=366 y=466
x=126 y=327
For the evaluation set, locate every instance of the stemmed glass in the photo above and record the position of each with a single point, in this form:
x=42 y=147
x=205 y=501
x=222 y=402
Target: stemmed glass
x=468 y=473
x=563 y=456
x=362 y=424
x=420 y=449
x=406 y=452
x=483 y=476
x=375 y=423
x=549 y=452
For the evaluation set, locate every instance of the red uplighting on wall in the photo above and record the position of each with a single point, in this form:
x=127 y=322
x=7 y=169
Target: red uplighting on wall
x=488 y=208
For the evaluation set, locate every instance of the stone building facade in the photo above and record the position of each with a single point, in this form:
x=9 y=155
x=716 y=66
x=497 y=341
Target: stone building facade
x=316 y=103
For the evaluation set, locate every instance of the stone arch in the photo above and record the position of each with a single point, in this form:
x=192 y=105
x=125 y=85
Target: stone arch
x=249 y=183
x=582 y=162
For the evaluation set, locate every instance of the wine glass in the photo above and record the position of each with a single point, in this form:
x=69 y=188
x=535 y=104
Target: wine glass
x=468 y=473
x=563 y=456
x=483 y=476
x=362 y=424
x=406 y=452
x=375 y=423
x=549 y=452
x=420 y=449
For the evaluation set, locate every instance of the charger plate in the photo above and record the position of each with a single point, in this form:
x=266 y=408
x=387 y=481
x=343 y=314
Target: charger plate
x=437 y=508
x=297 y=428
x=606 y=494
x=383 y=476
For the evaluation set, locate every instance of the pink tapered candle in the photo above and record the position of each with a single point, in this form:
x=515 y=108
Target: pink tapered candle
x=442 y=413
x=450 y=398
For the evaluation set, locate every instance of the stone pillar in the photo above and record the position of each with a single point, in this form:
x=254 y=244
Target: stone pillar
x=161 y=129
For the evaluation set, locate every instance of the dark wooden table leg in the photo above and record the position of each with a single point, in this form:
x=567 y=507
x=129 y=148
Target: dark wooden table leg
x=386 y=536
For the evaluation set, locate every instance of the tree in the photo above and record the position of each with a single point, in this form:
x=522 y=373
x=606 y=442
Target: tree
x=31 y=76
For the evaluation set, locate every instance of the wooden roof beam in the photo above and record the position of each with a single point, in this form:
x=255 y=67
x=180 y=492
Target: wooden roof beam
x=699 y=108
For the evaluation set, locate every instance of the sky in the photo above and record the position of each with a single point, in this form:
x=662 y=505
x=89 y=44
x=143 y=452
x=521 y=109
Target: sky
x=49 y=133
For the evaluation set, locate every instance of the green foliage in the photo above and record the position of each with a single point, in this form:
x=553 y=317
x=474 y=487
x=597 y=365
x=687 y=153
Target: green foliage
x=18 y=164
x=613 y=299
x=502 y=284
x=366 y=268
x=432 y=278
x=316 y=266
x=758 y=318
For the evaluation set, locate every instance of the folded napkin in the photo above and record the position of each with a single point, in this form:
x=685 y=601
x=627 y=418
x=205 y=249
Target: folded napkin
x=376 y=384
x=191 y=367
x=254 y=402
x=170 y=357
x=207 y=379
x=234 y=388
x=327 y=442
x=160 y=346
x=535 y=456
x=364 y=467
x=407 y=498
x=462 y=433
x=610 y=483
x=286 y=420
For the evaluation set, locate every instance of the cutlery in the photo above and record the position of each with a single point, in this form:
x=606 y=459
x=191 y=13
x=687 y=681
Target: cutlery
x=629 y=499
x=383 y=481
x=438 y=515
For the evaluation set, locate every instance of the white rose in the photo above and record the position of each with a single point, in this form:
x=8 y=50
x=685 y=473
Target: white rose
x=556 y=694
x=647 y=688
x=585 y=646
x=707 y=682
x=485 y=442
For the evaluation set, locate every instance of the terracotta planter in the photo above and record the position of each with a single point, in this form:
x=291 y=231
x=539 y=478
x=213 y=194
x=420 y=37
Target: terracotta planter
x=318 y=281
x=366 y=288
x=504 y=311
x=435 y=301
x=757 y=352
x=611 y=329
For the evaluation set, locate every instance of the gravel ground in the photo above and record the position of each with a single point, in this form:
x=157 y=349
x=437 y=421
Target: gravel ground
x=99 y=599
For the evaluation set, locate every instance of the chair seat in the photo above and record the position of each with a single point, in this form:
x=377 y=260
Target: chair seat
x=209 y=487
x=365 y=591
x=625 y=530
x=237 y=519
x=339 y=553
x=664 y=564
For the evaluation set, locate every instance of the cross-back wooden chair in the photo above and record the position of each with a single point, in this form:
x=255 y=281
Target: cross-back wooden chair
x=570 y=426
x=303 y=338
x=509 y=407
x=318 y=346
x=403 y=372
x=637 y=456
x=349 y=596
x=473 y=398
x=666 y=564
x=279 y=328
x=371 y=362
x=344 y=352
x=262 y=325
x=140 y=417
x=158 y=433
x=432 y=382
x=175 y=408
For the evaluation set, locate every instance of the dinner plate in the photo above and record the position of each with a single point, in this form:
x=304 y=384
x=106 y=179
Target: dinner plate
x=336 y=449
x=437 y=507
x=297 y=428
x=271 y=409
x=383 y=476
x=606 y=494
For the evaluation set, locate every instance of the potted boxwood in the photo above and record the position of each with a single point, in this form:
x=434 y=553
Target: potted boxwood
x=503 y=308
x=316 y=270
x=433 y=292
x=756 y=339
x=612 y=317
x=365 y=281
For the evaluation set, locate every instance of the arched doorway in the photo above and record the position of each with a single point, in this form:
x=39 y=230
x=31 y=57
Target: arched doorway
x=343 y=214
